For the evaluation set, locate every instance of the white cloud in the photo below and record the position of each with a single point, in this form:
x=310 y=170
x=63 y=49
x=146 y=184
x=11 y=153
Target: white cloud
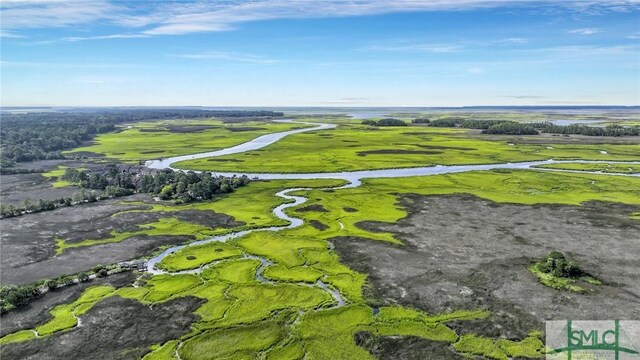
x=585 y=31
x=226 y=15
x=97 y=80
x=219 y=55
x=348 y=101
x=475 y=70
x=180 y=17
x=9 y=34
x=33 y=64
x=524 y=96
x=23 y=14
x=103 y=37
x=586 y=50
x=430 y=48
x=514 y=40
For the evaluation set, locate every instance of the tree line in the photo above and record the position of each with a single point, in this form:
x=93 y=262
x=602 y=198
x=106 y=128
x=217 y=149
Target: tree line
x=581 y=129
x=518 y=128
x=113 y=182
x=385 y=122
x=13 y=296
x=167 y=184
x=39 y=136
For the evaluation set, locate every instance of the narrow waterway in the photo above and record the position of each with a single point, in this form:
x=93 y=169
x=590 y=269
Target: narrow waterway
x=353 y=180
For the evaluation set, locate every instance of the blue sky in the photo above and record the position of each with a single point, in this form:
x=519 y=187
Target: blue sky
x=320 y=52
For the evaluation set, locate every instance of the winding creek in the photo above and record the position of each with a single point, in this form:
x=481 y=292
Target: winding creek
x=353 y=179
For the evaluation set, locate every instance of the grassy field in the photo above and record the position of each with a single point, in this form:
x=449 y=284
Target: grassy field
x=192 y=257
x=356 y=147
x=234 y=271
x=290 y=316
x=604 y=167
x=56 y=175
x=163 y=226
x=18 y=336
x=64 y=316
x=241 y=342
x=562 y=283
x=251 y=204
x=239 y=310
x=377 y=199
x=155 y=139
x=629 y=117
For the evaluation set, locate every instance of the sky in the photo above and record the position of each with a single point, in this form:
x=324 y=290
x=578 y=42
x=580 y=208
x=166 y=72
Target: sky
x=319 y=52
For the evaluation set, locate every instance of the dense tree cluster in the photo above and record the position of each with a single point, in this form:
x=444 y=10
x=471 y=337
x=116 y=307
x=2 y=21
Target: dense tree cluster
x=16 y=171
x=580 y=129
x=385 y=122
x=16 y=296
x=511 y=128
x=167 y=184
x=488 y=126
x=12 y=296
x=446 y=122
x=421 y=120
x=557 y=264
x=37 y=136
x=113 y=182
x=29 y=206
x=518 y=128
x=33 y=139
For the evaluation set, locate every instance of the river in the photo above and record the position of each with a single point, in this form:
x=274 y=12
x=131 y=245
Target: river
x=353 y=179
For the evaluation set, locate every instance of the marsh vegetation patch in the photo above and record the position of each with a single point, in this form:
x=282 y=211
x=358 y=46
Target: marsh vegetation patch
x=397 y=152
x=461 y=252
x=113 y=328
x=440 y=147
x=29 y=242
x=182 y=129
x=244 y=128
x=225 y=160
x=37 y=311
x=318 y=225
x=314 y=208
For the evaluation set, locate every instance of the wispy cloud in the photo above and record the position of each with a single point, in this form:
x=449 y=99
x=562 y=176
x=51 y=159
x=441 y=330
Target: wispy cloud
x=229 y=56
x=634 y=36
x=513 y=40
x=225 y=15
x=475 y=70
x=586 y=50
x=403 y=46
x=348 y=101
x=9 y=34
x=103 y=37
x=430 y=48
x=180 y=17
x=585 y=31
x=24 y=14
x=572 y=102
x=98 y=80
x=37 y=64
x=524 y=97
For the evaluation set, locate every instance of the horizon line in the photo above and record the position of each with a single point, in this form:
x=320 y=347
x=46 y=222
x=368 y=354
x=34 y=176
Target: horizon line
x=309 y=106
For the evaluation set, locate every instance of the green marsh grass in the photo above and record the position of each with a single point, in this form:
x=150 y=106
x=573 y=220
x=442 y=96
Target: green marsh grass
x=192 y=257
x=233 y=271
x=152 y=140
x=602 y=167
x=355 y=147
